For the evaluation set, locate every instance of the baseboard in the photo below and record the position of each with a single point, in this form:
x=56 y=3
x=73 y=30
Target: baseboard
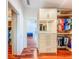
x=50 y=54
x=19 y=54
x=61 y=49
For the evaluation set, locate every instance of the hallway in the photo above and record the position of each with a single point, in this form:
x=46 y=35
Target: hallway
x=28 y=53
x=41 y=29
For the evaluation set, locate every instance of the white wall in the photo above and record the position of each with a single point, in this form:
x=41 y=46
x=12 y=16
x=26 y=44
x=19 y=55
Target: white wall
x=32 y=27
x=30 y=16
x=20 y=34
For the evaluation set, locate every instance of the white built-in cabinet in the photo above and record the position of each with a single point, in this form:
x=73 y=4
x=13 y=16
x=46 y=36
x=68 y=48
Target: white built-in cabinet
x=47 y=31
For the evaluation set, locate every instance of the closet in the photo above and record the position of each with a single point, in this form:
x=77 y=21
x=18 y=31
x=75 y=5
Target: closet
x=9 y=26
x=12 y=28
x=47 y=31
x=55 y=30
x=64 y=29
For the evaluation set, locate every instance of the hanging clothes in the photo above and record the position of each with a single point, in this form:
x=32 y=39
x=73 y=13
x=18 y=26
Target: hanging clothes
x=67 y=24
x=59 y=41
x=66 y=27
x=63 y=41
x=65 y=21
x=60 y=28
x=8 y=36
x=64 y=24
x=60 y=25
x=70 y=23
x=69 y=20
x=69 y=44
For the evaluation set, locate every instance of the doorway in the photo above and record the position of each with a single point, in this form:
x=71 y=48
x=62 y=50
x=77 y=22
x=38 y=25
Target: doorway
x=32 y=41
x=12 y=27
x=32 y=33
x=64 y=32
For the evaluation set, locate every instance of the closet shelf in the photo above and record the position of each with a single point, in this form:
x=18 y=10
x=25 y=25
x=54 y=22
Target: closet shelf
x=64 y=33
x=9 y=19
x=47 y=20
x=65 y=15
x=68 y=48
x=61 y=47
x=47 y=32
x=9 y=26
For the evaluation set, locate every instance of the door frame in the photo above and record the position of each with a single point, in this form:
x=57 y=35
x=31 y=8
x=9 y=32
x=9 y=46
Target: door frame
x=15 y=11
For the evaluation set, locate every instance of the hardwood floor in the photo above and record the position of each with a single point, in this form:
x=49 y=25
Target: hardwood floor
x=28 y=53
x=61 y=54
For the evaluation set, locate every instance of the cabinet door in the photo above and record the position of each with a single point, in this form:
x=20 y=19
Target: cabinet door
x=48 y=14
x=48 y=43
x=52 y=26
x=53 y=43
x=42 y=43
x=42 y=46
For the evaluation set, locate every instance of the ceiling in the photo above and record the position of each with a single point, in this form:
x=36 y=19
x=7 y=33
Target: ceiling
x=48 y=3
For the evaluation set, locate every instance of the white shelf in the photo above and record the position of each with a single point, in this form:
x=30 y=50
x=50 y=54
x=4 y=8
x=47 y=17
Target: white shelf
x=47 y=21
x=61 y=47
x=47 y=32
